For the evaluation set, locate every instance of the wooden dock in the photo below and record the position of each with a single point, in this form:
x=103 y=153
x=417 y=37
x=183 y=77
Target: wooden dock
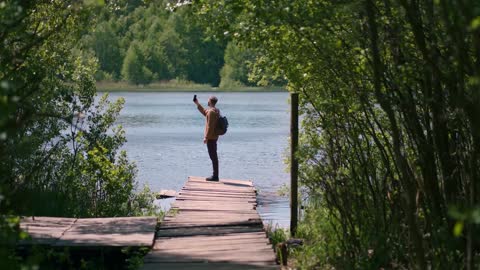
x=212 y=225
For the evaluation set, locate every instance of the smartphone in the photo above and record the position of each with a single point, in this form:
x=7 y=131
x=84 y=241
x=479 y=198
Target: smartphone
x=194 y=98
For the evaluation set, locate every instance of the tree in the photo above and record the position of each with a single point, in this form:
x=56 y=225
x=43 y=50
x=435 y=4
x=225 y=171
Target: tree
x=170 y=45
x=58 y=150
x=235 y=72
x=390 y=145
x=104 y=42
x=133 y=69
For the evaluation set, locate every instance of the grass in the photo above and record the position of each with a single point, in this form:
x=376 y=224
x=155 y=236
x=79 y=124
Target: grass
x=177 y=86
x=276 y=234
x=277 y=237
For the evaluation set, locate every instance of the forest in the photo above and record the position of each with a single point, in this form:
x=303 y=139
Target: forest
x=389 y=96
x=145 y=42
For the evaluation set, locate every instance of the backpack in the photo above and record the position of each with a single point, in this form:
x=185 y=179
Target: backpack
x=222 y=125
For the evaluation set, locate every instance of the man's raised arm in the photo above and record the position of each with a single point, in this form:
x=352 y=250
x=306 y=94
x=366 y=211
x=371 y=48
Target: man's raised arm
x=200 y=108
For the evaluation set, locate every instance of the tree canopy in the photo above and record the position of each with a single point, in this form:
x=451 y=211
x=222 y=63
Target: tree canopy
x=59 y=146
x=390 y=139
x=147 y=42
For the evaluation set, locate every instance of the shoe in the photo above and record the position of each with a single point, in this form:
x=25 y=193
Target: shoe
x=213 y=178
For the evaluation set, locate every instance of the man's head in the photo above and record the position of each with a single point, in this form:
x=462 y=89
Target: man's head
x=212 y=101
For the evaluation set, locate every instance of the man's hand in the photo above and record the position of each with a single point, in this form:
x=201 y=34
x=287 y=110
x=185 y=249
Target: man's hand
x=195 y=100
x=205 y=140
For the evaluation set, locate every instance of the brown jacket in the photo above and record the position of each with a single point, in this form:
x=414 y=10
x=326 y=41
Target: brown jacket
x=211 y=115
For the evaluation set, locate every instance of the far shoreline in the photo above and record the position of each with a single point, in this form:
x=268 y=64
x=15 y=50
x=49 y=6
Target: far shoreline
x=179 y=87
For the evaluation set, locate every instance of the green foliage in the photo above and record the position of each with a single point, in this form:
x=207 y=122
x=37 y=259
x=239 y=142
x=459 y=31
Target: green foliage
x=321 y=247
x=133 y=69
x=235 y=71
x=59 y=148
x=135 y=257
x=106 y=46
x=276 y=235
x=390 y=137
x=142 y=42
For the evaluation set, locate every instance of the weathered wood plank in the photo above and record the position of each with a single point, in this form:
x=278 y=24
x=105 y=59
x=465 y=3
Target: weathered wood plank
x=44 y=230
x=218 y=190
x=247 y=183
x=125 y=231
x=175 y=232
x=208 y=256
x=219 y=196
x=214 y=203
x=220 y=223
x=202 y=221
x=91 y=232
x=201 y=238
x=215 y=187
x=213 y=199
x=209 y=266
x=213 y=206
x=207 y=242
x=238 y=247
x=210 y=214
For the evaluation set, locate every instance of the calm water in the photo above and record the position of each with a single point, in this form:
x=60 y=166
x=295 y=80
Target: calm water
x=165 y=139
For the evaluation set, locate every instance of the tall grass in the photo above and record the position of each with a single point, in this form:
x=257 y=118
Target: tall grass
x=178 y=86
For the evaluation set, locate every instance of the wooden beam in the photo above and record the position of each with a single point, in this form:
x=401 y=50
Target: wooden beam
x=294 y=164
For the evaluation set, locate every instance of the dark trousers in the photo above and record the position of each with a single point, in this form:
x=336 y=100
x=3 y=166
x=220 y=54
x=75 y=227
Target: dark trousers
x=212 y=152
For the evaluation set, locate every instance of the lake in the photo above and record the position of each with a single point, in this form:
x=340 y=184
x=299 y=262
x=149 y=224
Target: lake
x=164 y=133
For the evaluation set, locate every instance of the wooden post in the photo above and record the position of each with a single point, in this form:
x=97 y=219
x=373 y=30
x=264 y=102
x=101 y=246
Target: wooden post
x=293 y=164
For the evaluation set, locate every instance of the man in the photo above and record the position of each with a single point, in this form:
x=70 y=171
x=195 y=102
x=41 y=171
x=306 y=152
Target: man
x=210 y=137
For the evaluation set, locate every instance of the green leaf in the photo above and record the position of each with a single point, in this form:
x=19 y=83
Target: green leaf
x=475 y=23
x=94 y=2
x=458 y=228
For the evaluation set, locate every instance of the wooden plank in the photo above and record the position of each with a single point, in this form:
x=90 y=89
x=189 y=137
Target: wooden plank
x=179 y=232
x=233 y=247
x=184 y=197
x=220 y=223
x=202 y=220
x=219 y=190
x=220 y=211
x=202 y=238
x=214 y=222
x=212 y=206
x=223 y=216
x=128 y=231
x=44 y=230
x=207 y=194
x=197 y=215
x=220 y=186
x=251 y=248
x=216 y=200
x=215 y=203
x=208 y=190
x=211 y=215
x=221 y=183
x=209 y=266
x=217 y=256
x=229 y=181
x=191 y=242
